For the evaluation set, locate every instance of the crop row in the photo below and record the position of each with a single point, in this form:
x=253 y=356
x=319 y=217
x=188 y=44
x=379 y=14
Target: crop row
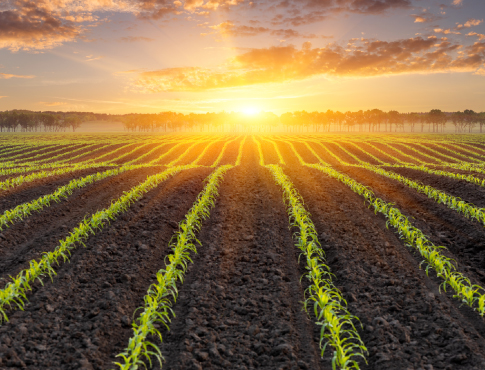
x=329 y=307
x=162 y=294
x=471 y=295
x=14 y=292
x=24 y=210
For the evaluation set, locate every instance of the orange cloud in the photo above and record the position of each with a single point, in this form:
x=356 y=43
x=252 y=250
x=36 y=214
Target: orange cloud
x=470 y=23
x=286 y=63
x=44 y=24
x=7 y=76
x=28 y=26
x=446 y=32
x=480 y=36
x=425 y=17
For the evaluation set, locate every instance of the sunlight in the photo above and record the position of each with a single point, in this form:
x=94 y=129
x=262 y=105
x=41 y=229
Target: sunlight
x=250 y=111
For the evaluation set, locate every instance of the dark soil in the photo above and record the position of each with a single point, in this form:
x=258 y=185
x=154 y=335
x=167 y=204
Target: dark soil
x=97 y=153
x=84 y=316
x=407 y=322
x=240 y=306
x=29 y=191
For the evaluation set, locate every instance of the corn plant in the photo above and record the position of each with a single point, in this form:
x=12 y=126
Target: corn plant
x=14 y=294
x=162 y=294
x=457 y=176
x=20 y=212
x=367 y=153
x=221 y=154
x=260 y=152
x=240 y=152
x=454 y=159
x=34 y=153
x=469 y=294
x=183 y=155
x=278 y=153
x=467 y=209
x=329 y=307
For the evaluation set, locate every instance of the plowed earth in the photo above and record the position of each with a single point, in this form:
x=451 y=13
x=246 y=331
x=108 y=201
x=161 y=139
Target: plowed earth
x=240 y=306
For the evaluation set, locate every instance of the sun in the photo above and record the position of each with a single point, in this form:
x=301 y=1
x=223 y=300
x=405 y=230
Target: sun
x=250 y=111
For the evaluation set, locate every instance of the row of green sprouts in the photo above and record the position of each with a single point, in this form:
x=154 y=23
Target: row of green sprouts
x=15 y=292
x=329 y=307
x=470 y=294
x=163 y=293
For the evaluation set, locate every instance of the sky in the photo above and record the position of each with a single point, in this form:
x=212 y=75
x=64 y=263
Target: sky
x=148 y=56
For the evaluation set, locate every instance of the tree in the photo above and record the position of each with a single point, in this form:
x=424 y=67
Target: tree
x=73 y=121
x=471 y=119
x=412 y=119
x=438 y=119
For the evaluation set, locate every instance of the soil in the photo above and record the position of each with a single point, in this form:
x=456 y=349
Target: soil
x=240 y=305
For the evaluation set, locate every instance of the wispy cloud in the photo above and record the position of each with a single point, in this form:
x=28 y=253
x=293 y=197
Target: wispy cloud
x=7 y=76
x=52 y=104
x=90 y=58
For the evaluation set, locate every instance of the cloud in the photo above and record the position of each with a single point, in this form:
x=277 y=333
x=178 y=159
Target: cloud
x=303 y=12
x=419 y=19
x=457 y=2
x=480 y=36
x=156 y=9
x=300 y=20
x=91 y=58
x=27 y=26
x=480 y=71
x=278 y=64
x=425 y=17
x=52 y=104
x=45 y=24
x=136 y=39
x=7 y=76
x=228 y=28
x=1 y=97
x=469 y=23
x=447 y=31
x=473 y=22
x=355 y=6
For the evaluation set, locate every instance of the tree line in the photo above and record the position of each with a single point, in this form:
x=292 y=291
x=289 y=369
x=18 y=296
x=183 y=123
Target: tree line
x=374 y=120
x=28 y=121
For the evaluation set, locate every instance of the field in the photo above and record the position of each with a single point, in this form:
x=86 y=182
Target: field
x=242 y=252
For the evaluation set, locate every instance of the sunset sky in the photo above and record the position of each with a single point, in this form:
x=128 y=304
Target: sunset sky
x=147 y=56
